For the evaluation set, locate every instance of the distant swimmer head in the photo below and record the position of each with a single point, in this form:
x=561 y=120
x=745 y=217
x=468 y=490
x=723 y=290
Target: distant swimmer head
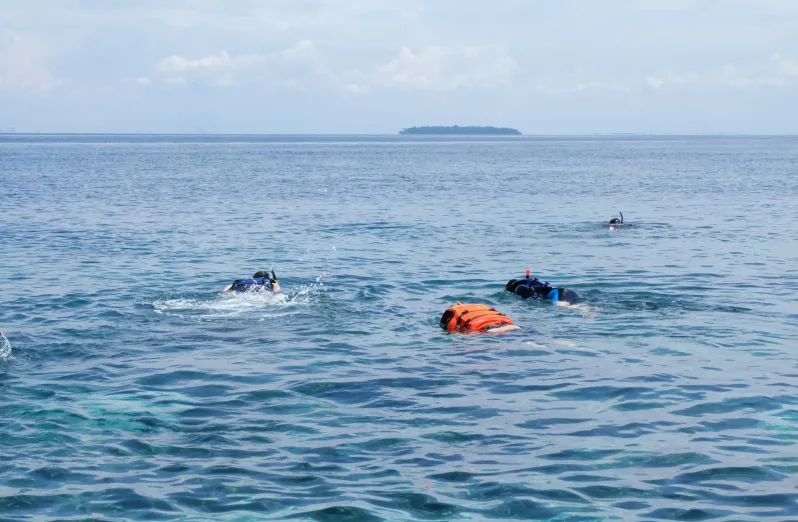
x=616 y=221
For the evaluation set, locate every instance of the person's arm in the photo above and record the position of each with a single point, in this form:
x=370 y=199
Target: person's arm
x=228 y=287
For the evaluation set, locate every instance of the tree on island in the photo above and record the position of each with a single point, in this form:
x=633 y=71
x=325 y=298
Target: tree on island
x=456 y=129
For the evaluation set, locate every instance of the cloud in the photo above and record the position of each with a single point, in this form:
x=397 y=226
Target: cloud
x=286 y=67
x=549 y=87
x=785 y=66
x=178 y=64
x=777 y=72
x=732 y=76
x=22 y=63
x=442 y=68
x=358 y=89
x=654 y=82
x=664 y=5
x=432 y=68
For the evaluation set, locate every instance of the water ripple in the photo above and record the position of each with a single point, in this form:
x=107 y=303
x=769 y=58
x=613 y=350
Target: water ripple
x=136 y=390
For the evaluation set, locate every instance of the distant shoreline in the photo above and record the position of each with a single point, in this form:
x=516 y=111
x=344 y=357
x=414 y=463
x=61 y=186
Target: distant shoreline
x=456 y=130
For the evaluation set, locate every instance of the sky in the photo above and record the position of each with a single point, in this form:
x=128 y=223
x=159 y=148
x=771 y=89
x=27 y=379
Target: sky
x=377 y=66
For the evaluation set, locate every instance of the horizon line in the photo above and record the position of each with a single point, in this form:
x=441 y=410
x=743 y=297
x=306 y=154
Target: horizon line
x=39 y=133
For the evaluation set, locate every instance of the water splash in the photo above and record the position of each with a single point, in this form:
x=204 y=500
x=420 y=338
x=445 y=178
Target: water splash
x=585 y=309
x=234 y=304
x=5 y=348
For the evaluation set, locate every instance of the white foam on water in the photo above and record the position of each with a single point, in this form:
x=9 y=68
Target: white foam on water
x=567 y=344
x=233 y=304
x=584 y=309
x=536 y=345
x=5 y=348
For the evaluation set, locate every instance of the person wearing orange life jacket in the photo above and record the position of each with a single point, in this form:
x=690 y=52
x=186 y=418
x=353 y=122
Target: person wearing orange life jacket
x=475 y=318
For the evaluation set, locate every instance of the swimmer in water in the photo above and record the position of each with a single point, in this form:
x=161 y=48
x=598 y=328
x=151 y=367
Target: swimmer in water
x=615 y=222
x=475 y=319
x=261 y=281
x=530 y=288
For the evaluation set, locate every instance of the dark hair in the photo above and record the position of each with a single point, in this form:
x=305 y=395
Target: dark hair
x=614 y=221
x=261 y=274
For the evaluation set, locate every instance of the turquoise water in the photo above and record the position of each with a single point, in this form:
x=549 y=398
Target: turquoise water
x=133 y=389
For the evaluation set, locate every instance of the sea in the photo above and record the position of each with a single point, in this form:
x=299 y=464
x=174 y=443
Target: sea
x=132 y=388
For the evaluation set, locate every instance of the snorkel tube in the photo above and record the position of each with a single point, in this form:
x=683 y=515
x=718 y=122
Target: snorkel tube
x=275 y=283
x=615 y=222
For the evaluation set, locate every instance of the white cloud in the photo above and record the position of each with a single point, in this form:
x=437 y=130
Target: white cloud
x=549 y=87
x=286 y=67
x=654 y=82
x=22 y=63
x=304 y=51
x=443 y=68
x=664 y=5
x=785 y=66
x=776 y=72
x=177 y=64
x=667 y=79
x=732 y=76
x=358 y=89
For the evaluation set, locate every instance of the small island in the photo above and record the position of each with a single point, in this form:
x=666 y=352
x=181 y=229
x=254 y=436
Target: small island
x=457 y=130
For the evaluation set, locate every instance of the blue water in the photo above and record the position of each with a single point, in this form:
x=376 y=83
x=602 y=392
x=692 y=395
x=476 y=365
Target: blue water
x=134 y=390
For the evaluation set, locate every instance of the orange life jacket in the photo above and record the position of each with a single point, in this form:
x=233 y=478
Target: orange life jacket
x=472 y=318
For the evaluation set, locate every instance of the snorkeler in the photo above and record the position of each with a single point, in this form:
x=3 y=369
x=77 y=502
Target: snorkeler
x=475 y=318
x=615 y=222
x=533 y=288
x=261 y=281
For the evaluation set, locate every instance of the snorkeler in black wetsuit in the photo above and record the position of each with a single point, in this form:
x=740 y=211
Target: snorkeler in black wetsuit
x=259 y=282
x=615 y=222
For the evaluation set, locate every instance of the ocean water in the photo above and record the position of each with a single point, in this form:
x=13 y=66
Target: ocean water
x=132 y=389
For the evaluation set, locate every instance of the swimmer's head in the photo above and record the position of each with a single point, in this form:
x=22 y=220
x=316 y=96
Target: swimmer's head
x=273 y=284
